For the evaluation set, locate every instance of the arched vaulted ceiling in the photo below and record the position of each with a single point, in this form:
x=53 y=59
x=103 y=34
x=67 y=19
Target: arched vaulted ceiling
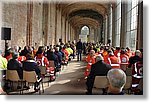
x=77 y=21
x=84 y=13
x=72 y=7
x=88 y=13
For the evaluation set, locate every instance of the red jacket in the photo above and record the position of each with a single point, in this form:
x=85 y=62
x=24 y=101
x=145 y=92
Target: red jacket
x=42 y=60
x=124 y=59
x=117 y=53
x=21 y=59
x=105 y=56
x=90 y=60
x=114 y=61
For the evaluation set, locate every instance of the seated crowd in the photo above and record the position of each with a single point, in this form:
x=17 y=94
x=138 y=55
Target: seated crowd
x=30 y=59
x=101 y=59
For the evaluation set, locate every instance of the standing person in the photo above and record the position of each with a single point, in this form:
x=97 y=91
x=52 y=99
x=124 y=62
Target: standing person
x=100 y=68
x=79 y=47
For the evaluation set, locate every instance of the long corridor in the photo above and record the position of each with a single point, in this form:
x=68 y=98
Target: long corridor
x=69 y=81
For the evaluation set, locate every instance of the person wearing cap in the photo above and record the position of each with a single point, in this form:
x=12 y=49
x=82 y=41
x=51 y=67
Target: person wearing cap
x=3 y=62
x=100 y=68
x=117 y=81
x=13 y=64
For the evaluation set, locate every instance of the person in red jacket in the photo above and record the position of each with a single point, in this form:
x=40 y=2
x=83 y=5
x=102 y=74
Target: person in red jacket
x=105 y=55
x=113 y=60
x=66 y=55
x=117 y=52
x=129 y=53
x=40 y=58
x=90 y=59
x=123 y=60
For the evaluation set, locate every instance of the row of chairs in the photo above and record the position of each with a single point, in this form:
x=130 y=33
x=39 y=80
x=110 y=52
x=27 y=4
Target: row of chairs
x=28 y=76
x=31 y=77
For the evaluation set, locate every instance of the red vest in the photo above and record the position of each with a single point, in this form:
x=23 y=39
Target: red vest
x=42 y=60
x=124 y=59
x=114 y=61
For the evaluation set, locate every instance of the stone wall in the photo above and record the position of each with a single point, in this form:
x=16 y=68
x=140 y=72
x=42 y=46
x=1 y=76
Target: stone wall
x=14 y=16
x=37 y=24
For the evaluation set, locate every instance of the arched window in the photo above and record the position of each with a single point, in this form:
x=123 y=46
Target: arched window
x=85 y=30
x=84 y=34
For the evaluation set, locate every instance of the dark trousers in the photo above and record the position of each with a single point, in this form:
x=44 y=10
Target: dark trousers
x=79 y=54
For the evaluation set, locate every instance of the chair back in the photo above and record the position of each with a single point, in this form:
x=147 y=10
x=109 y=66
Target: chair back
x=51 y=64
x=43 y=70
x=12 y=75
x=100 y=82
x=128 y=82
x=29 y=76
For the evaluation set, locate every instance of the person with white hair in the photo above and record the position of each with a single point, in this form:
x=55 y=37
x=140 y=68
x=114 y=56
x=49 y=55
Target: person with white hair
x=117 y=80
x=135 y=58
x=100 y=68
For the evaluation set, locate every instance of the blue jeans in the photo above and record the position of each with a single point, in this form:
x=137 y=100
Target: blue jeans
x=79 y=54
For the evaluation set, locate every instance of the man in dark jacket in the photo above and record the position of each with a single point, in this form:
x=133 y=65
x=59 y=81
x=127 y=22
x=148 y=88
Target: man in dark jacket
x=31 y=65
x=100 y=68
x=79 y=47
x=13 y=64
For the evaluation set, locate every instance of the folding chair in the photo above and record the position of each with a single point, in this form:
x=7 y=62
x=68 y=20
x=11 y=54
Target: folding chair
x=12 y=76
x=31 y=77
x=101 y=82
x=44 y=73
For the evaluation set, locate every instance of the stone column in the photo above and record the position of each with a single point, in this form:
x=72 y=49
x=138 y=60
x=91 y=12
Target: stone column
x=63 y=29
x=91 y=36
x=58 y=24
x=123 y=27
x=66 y=40
x=45 y=24
x=1 y=45
x=29 y=23
x=53 y=22
x=139 y=43
x=113 y=27
x=105 y=34
x=68 y=34
x=95 y=34
x=98 y=33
